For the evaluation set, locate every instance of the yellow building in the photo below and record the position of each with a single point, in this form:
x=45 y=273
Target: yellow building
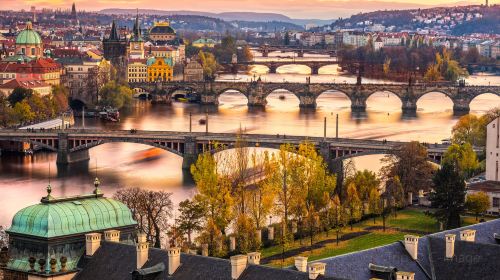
x=160 y=69
x=137 y=71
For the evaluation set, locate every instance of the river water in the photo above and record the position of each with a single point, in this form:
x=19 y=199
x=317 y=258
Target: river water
x=23 y=179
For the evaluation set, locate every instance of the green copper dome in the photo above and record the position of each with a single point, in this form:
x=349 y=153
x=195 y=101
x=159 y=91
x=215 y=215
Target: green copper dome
x=28 y=36
x=74 y=215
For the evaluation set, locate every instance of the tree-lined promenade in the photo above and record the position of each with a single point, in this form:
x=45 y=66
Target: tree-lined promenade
x=296 y=205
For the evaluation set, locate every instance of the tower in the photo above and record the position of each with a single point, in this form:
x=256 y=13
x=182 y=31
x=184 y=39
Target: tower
x=73 y=11
x=136 y=42
x=115 y=50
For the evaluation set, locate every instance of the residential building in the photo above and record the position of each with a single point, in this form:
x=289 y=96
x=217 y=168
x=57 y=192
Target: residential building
x=355 y=38
x=37 y=86
x=45 y=70
x=204 y=43
x=137 y=70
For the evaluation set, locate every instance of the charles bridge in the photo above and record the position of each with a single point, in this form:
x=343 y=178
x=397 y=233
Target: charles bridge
x=72 y=145
x=300 y=50
x=314 y=65
x=257 y=91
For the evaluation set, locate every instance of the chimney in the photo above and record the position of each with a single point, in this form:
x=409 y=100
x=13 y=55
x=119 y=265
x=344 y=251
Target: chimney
x=204 y=249
x=411 y=245
x=238 y=265
x=92 y=243
x=468 y=235
x=232 y=243
x=450 y=245
x=112 y=235
x=403 y=275
x=174 y=259
x=316 y=269
x=142 y=249
x=254 y=258
x=301 y=263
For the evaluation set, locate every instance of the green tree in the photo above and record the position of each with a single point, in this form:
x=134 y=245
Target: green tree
x=365 y=181
x=448 y=196
x=337 y=216
x=19 y=94
x=23 y=113
x=374 y=203
x=477 y=203
x=462 y=156
x=190 y=219
x=286 y=40
x=115 y=95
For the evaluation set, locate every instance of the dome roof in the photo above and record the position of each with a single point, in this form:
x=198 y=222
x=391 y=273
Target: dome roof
x=68 y=216
x=28 y=36
x=162 y=29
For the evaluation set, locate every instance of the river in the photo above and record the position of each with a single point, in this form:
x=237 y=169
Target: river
x=23 y=179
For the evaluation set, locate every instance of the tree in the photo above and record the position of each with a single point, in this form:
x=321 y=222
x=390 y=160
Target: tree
x=477 y=203
x=286 y=40
x=462 y=156
x=212 y=236
x=23 y=113
x=470 y=129
x=365 y=181
x=374 y=203
x=214 y=190
x=60 y=96
x=6 y=113
x=352 y=204
x=151 y=209
x=387 y=65
x=409 y=163
x=18 y=95
x=337 y=216
x=432 y=74
x=394 y=194
x=190 y=219
x=115 y=95
x=209 y=64
x=448 y=196
x=245 y=234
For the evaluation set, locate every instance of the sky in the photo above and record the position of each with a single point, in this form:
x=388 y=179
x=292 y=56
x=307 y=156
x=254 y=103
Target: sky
x=321 y=9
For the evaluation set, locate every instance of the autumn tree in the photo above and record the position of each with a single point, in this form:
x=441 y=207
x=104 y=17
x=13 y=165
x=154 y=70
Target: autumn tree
x=151 y=209
x=209 y=64
x=448 y=196
x=477 y=203
x=352 y=204
x=410 y=163
x=214 y=190
x=213 y=237
x=462 y=156
x=365 y=181
x=337 y=216
x=190 y=219
x=469 y=129
x=245 y=234
x=115 y=95
x=374 y=203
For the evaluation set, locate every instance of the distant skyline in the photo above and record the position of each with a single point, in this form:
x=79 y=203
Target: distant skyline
x=320 y=9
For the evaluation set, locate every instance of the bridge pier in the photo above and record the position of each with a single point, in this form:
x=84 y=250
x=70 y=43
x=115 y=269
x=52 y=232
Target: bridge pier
x=409 y=107
x=460 y=109
x=256 y=95
x=64 y=156
x=265 y=53
x=314 y=70
x=190 y=152
x=272 y=69
x=358 y=104
x=307 y=100
x=209 y=98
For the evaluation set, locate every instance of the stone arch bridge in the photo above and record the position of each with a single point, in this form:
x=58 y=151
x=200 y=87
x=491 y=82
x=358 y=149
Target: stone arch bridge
x=314 y=65
x=73 y=145
x=307 y=93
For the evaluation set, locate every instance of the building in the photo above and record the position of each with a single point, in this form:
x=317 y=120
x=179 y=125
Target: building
x=136 y=44
x=193 y=71
x=204 y=43
x=162 y=33
x=160 y=69
x=470 y=252
x=137 y=70
x=29 y=42
x=115 y=50
x=35 y=85
x=49 y=240
x=45 y=70
x=492 y=184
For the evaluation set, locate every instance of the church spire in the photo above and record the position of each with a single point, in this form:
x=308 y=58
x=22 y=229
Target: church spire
x=113 y=36
x=137 y=28
x=73 y=11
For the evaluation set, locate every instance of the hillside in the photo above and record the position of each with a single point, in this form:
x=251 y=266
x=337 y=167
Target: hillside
x=458 y=20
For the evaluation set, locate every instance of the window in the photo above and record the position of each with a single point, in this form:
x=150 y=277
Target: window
x=32 y=51
x=496 y=202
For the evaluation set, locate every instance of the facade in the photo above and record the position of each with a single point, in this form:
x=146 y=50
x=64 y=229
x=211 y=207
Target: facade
x=44 y=70
x=137 y=71
x=36 y=85
x=193 y=71
x=204 y=43
x=493 y=150
x=29 y=42
x=48 y=240
x=160 y=69
x=115 y=50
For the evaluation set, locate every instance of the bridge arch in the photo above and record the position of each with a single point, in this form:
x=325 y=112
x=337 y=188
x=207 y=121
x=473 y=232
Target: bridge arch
x=428 y=100
x=333 y=96
x=167 y=146
x=232 y=95
x=392 y=101
x=484 y=102
x=282 y=94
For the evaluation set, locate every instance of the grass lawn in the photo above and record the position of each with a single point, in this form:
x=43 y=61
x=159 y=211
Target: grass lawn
x=365 y=235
